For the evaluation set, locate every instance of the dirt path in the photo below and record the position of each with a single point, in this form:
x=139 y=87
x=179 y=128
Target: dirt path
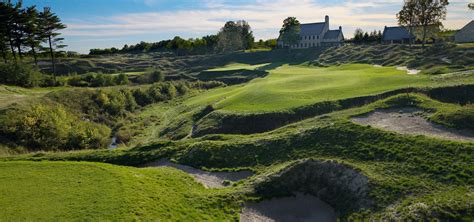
x=408 y=121
x=294 y=209
x=208 y=179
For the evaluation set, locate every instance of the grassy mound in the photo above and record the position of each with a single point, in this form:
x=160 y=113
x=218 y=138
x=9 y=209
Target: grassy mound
x=174 y=65
x=233 y=73
x=432 y=60
x=47 y=191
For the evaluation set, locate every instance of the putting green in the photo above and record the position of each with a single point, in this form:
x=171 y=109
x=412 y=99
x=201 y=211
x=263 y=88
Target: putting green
x=291 y=86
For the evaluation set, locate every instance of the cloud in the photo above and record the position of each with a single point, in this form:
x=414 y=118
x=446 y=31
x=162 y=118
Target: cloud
x=264 y=16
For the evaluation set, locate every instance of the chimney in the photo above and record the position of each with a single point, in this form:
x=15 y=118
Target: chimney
x=340 y=28
x=326 y=19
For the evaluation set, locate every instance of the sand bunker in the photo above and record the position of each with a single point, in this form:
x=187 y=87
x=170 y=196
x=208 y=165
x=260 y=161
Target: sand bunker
x=408 y=121
x=409 y=71
x=208 y=179
x=299 y=208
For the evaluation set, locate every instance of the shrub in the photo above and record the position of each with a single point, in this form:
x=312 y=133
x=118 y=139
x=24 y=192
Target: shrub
x=77 y=81
x=152 y=75
x=130 y=102
x=112 y=102
x=155 y=93
x=142 y=98
x=121 y=79
x=182 y=88
x=207 y=85
x=156 y=76
x=19 y=74
x=52 y=127
x=98 y=80
x=169 y=90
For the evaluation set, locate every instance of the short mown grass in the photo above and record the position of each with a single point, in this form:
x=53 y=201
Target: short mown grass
x=61 y=191
x=290 y=86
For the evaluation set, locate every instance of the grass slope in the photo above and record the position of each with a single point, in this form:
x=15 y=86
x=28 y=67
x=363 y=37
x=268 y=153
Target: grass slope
x=12 y=94
x=411 y=177
x=290 y=86
x=93 y=191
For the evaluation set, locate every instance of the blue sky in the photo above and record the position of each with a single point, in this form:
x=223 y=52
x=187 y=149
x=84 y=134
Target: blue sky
x=107 y=23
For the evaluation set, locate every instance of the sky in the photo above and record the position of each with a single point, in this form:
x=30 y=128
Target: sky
x=113 y=23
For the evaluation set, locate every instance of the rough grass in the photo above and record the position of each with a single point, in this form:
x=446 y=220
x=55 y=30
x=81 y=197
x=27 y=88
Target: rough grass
x=11 y=94
x=92 y=191
x=431 y=60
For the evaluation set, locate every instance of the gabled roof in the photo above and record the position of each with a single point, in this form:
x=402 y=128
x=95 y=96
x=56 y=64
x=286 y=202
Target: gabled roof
x=332 y=34
x=396 y=33
x=312 y=28
x=469 y=26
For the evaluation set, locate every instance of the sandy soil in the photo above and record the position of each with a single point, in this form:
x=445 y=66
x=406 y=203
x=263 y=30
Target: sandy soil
x=292 y=209
x=408 y=121
x=409 y=71
x=208 y=179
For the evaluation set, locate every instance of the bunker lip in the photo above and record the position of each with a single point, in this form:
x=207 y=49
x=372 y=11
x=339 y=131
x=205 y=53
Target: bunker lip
x=409 y=71
x=408 y=121
x=297 y=208
x=208 y=179
x=343 y=188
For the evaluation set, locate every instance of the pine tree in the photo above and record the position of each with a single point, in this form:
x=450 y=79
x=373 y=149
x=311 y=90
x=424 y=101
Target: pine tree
x=7 y=12
x=49 y=25
x=19 y=21
x=3 y=33
x=33 y=37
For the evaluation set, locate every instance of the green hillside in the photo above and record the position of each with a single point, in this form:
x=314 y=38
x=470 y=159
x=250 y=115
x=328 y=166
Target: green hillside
x=292 y=118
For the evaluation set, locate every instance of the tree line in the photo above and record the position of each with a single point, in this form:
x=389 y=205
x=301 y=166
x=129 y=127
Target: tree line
x=361 y=37
x=234 y=35
x=25 y=30
x=177 y=44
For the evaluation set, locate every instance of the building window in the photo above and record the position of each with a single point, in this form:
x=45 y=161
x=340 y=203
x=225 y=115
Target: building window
x=313 y=37
x=318 y=36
